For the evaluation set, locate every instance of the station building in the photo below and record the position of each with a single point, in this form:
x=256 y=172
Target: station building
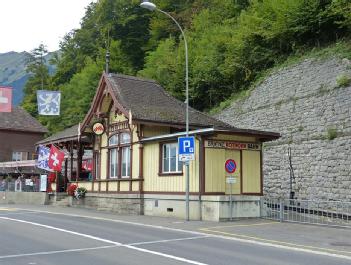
x=133 y=125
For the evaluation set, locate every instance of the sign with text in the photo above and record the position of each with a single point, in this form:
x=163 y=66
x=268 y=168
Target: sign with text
x=230 y=180
x=43 y=182
x=232 y=145
x=186 y=148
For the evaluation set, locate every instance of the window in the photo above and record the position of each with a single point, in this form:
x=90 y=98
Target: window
x=96 y=167
x=19 y=156
x=119 y=155
x=170 y=163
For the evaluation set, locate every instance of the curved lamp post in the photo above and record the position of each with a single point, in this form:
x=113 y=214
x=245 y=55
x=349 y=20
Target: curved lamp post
x=152 y=7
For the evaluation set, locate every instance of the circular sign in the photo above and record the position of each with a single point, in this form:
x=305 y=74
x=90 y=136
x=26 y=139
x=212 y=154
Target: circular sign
x=230 y=166
x=98 y=128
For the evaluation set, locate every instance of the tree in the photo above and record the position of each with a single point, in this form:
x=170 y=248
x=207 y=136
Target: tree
x=39 y=78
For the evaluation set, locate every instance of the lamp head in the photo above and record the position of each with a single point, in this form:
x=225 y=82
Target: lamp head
x=148 y=5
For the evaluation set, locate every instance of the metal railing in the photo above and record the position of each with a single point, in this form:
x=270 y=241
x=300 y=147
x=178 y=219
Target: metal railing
x=332 y=213
x=20 y=186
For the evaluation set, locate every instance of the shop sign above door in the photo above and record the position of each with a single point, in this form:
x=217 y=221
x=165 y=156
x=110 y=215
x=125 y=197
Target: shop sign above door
x=232 y=145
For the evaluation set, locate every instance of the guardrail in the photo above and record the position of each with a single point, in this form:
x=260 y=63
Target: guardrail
x=331 y=213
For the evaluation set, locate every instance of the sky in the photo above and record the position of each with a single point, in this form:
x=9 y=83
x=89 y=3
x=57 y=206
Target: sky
x=25 y=24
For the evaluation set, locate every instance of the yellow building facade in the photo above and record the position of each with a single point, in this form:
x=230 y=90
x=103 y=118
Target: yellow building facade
x=134 y=126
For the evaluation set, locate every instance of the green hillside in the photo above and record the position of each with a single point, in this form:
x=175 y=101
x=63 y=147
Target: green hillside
x=13 y=73
x=231 y=43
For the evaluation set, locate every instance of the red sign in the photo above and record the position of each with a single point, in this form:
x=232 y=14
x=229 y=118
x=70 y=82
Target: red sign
x=230 y=166
x=98 y=128
x=56 y=158
x=5 y=99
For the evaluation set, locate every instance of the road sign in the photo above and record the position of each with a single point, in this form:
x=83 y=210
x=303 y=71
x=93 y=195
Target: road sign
x=186 y=148
x=230 y=180
x=230 y=166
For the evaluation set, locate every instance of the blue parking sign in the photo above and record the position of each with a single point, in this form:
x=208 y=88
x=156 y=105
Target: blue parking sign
x=186 y=148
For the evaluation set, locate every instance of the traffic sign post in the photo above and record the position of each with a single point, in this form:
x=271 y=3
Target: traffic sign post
x=230 y=167
x=186 y=152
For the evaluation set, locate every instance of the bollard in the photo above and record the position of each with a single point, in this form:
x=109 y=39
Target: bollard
x=281 y=210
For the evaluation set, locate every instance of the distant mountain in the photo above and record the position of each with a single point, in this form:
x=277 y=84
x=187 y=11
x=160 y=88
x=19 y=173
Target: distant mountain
x=13 y=73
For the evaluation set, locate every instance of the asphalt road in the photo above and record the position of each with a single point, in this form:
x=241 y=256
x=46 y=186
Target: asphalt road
x=38 y=238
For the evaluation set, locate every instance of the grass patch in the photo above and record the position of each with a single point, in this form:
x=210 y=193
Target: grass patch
x=332 y=133
x=343 y=80
x=341 y=49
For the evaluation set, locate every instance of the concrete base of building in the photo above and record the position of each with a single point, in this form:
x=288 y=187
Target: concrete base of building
x=207 y=208
x=36 y=198
x=117 y=203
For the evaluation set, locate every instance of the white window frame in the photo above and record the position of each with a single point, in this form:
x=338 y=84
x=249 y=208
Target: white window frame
x=119 y=151
x=178 y=166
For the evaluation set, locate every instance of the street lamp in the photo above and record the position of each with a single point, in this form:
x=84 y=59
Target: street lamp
x=151 y=6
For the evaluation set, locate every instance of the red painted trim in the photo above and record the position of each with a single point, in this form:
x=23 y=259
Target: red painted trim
x=241 y=172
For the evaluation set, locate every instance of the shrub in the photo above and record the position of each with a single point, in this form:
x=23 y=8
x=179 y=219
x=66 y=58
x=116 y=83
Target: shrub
x=343 y=80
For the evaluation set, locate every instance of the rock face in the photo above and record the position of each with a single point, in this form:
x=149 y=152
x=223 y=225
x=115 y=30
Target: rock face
x=312 y=111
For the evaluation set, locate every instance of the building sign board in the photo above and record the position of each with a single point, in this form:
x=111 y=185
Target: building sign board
x=232 y=145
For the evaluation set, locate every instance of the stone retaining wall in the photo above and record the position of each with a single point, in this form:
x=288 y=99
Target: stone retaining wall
x=313 y=114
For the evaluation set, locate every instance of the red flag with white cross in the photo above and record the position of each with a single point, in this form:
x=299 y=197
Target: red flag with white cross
x=5 y=99
x=56 y=158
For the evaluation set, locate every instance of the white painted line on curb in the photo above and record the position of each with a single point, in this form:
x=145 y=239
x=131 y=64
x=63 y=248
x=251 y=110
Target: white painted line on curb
x=118 y=244
x=249 y=241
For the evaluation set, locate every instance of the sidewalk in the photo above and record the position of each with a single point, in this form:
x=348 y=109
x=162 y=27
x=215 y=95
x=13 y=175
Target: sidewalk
x=318 y=238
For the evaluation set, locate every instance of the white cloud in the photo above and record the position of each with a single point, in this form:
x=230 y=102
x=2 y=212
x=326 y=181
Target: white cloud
x=24 y=24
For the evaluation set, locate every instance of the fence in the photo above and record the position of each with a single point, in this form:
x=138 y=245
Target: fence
x=332 y=213
x=20 y=186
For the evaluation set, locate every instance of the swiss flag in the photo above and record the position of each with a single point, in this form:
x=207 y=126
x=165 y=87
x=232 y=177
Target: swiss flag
x=56 y=158
x=5 y=99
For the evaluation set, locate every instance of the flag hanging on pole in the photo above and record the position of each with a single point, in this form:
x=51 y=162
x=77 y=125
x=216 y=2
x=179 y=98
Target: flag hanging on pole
x=48 y=102
x=56 y=158
x=5 y=99
x=43 y=158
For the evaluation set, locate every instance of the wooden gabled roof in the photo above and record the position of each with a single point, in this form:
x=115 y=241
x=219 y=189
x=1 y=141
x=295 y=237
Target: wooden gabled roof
x=147 y=101
x=20 y=120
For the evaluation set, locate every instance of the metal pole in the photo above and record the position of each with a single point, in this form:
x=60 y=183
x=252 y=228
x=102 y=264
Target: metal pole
x=187 y=108
x=231 y=202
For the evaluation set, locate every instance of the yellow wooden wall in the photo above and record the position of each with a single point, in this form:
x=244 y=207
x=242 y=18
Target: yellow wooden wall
x=155 y=183
x=215 y=173
x=150 y=131
x=251 y=171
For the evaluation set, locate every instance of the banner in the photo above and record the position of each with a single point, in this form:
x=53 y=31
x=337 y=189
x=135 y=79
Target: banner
x=5 y=99
x=43 y=158
x=43 y=182
x=56 y=158
x=48 y=102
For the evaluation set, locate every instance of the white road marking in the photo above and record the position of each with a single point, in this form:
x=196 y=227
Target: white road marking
x=100 y=239
x=167 y=240
x=248 y=241
x=165 y=255
x=54 y=252
x=63 y=230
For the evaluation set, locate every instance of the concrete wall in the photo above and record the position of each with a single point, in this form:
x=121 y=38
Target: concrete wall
x=117 y=203
x=305 y=104
x=37 y=198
